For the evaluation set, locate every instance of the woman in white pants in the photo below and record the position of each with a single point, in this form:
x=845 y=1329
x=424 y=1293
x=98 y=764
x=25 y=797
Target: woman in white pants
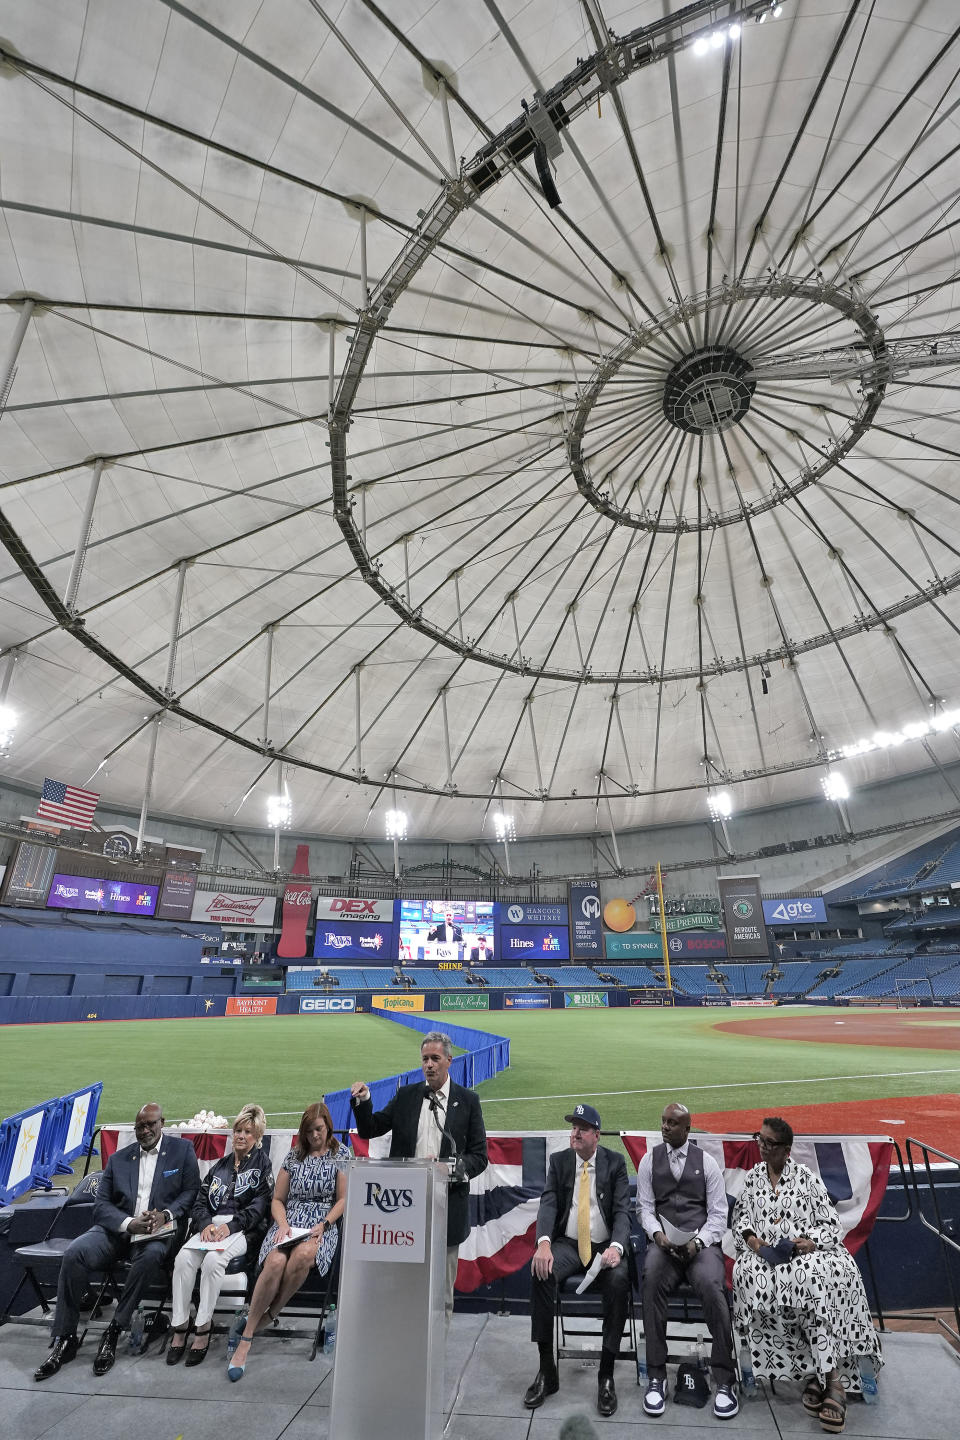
x=233 y=1204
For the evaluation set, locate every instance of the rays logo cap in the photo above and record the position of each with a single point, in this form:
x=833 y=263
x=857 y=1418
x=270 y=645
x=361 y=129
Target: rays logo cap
x=584 y=1115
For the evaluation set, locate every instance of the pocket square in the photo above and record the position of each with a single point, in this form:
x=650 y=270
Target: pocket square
x=168 y=1173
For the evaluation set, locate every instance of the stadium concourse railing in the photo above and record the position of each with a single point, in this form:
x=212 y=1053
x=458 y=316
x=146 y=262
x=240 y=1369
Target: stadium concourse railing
x=485 y=1056
x=43 y=1141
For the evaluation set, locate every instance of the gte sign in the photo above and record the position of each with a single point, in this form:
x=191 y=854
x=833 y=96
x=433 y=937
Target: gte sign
x=327 y=1004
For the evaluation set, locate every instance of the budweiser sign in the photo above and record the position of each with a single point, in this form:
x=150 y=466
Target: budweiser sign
x=220 y=907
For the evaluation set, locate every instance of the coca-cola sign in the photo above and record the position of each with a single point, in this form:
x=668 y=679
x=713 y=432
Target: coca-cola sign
x=222 y=907
x=297 y=899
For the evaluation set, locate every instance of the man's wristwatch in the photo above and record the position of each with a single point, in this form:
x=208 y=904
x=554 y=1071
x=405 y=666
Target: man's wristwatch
x=699 y=1243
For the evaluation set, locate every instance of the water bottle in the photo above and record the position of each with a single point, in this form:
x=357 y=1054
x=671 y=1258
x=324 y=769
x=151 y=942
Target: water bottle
x=138 y=1325
x=641 y=1360
x=330 y=1335
x=868 y=1379
x=748 y=1383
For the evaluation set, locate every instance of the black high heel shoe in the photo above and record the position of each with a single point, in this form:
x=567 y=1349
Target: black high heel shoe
x=198 y=1353
x=175 y=1353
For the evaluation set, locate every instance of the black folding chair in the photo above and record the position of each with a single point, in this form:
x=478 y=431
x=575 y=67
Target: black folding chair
x=572 y=1307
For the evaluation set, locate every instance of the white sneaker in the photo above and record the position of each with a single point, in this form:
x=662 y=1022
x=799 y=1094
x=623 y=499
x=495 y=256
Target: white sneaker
x=726 y=1404
x=654 y=1401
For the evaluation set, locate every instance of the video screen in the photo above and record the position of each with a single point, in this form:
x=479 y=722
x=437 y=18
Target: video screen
x=437 y=930
x=115 y=897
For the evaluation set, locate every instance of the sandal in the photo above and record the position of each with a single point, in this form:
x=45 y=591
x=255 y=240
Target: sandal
x=812 y=1396
x=198 y=1353
x=833 y=1410
x=175 y=1352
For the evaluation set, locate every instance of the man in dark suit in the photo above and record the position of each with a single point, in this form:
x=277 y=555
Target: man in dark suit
x=584 y=1213
x=144 y=1190
x=441 y=1119
x=447 y=933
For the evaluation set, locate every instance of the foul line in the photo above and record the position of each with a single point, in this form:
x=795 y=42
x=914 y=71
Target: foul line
x=727 y=1085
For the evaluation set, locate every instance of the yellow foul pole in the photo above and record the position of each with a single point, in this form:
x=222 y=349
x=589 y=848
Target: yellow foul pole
x=663 y=930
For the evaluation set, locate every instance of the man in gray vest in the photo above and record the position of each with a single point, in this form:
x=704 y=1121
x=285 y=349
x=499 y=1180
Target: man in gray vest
x=682 y=1202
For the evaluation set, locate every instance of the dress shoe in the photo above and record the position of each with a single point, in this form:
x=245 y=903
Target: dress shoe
x=175 y=1353
x=64 y=1350
x=198 y=1353
x=107 y=1353
x=606 y=1396
x=546 y=1383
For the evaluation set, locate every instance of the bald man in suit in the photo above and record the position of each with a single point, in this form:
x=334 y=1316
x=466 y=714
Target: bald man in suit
x=145 y=1188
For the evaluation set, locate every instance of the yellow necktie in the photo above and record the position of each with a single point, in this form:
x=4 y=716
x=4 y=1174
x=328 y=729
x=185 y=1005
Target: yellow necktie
x=583 y=1216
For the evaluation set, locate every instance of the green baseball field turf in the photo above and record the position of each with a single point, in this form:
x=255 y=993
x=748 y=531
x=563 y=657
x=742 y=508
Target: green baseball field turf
x=627 y=1062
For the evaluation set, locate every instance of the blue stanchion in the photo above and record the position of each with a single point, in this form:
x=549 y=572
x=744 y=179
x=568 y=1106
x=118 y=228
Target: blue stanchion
x=37 y=1144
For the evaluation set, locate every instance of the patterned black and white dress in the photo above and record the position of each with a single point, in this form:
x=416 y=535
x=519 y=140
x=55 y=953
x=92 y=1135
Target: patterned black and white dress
x=313 y=1189
x=809 y=1315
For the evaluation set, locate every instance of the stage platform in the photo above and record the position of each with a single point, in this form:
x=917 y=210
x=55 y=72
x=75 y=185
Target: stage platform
x=490 y=1362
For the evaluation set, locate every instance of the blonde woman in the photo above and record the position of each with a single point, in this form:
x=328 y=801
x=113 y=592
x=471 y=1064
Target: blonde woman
x=231 y=1210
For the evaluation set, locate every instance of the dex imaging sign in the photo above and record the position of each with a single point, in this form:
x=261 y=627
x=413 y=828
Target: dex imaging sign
x=387 y=1214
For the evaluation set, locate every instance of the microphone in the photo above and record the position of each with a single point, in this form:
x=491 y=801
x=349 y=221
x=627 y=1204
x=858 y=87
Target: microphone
x=457 y=1172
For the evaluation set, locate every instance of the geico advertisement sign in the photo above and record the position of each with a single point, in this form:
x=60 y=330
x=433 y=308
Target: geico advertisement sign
x=399 y=1002
x=386 y=1214
x=327 y=1004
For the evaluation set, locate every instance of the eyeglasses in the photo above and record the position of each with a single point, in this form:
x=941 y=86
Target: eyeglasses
x=766 y=1143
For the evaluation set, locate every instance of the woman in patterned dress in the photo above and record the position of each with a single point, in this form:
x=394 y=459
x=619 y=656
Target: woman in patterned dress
x=308 y=1194
x=806 y=1314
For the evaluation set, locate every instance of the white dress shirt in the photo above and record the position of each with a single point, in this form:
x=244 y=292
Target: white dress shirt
x=148 y=1168
x=429 y=1138
x=714 y=1227
x=599 y=1233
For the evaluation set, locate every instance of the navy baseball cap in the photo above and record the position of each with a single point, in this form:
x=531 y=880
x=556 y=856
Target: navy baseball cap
x=584 y=1115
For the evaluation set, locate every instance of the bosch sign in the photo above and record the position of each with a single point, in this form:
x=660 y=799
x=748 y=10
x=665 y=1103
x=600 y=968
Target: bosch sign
x=681 y=946
x=795 y=912
x=327 y=1004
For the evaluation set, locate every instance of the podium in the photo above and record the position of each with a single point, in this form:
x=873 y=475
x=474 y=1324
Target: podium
x=388 y=1365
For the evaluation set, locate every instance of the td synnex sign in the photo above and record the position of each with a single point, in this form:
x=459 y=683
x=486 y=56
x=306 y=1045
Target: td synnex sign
x=327 y=1004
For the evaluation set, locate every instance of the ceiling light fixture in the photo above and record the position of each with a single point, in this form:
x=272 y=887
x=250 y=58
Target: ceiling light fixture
x=504 y=826
x=8 y=724
x=396 y=824
x=720 y=805
x=835 y=787
x=890 y=739
x=279 y=812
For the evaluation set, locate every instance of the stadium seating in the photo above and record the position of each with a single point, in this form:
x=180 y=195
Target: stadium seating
x=692 y=980
x=798 y=976
x=568 y=975
x=639 y=976
x=358 y=977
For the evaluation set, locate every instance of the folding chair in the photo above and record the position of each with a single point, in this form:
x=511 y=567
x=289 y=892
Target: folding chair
x=73 y=1218
x=572 y=1307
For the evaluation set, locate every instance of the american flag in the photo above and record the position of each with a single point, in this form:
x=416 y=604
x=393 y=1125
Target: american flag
x=67 y=804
